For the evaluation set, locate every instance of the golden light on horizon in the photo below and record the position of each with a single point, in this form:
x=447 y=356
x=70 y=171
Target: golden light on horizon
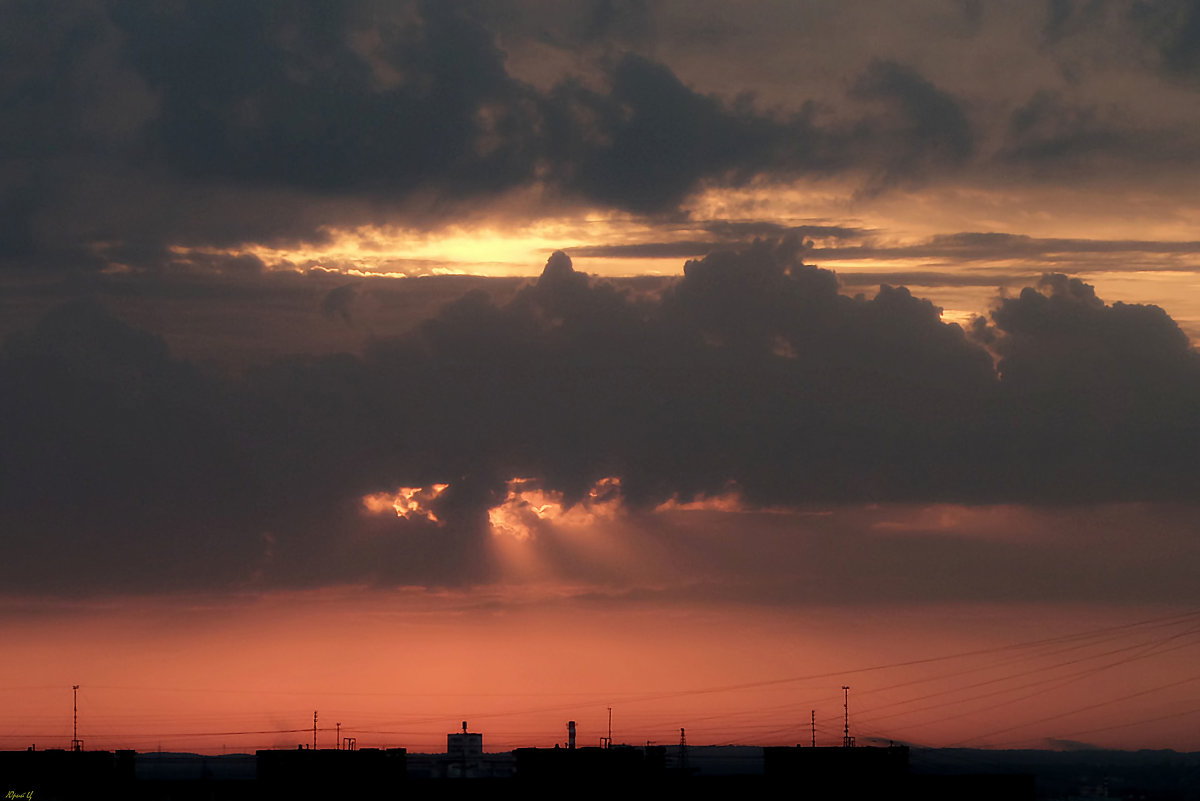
x=904 y=239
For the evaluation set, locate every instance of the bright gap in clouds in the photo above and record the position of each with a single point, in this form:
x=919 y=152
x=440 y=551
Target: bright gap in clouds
x=406 y=502
x=900 y=238
x=501 y=250
x=526 y=504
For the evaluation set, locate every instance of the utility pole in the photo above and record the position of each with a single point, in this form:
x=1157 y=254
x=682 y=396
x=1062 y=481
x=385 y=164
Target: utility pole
x=314 y=730
x=813 y=720
x=76 y=743
x=338 y=744
x=847 y=740
x=683 y=754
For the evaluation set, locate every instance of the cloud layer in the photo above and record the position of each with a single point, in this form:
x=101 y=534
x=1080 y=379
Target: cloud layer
x=750 y=377
x=219 y=149
x=128 y=130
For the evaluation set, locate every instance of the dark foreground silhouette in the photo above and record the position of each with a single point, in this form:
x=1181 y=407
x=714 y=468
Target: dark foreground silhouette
x=743 y=772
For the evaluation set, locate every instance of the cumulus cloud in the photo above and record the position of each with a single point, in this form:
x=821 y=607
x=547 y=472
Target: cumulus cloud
x=126 y=467
x=1102 y=397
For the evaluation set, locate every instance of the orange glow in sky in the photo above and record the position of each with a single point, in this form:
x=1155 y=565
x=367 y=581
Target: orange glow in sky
x=526 y=504
x=407 y=502
x=596 y=607
x=403 y=668
x=890 y=223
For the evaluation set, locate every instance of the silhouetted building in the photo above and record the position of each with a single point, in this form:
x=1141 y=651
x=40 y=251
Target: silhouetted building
x=55 y=773
x=860 y=772
x=974 y=786
x=619 y=764
x=313 y=773
x=464 y=754
x=869 y=773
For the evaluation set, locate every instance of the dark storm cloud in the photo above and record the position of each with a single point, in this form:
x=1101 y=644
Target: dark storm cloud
x=906 y=554
x=927 y=127
x=124 y=467
x=648 y=142
x=1168 y=32
x=855 y=244
x=994 y=246
x=1095 y=387
x=129 y=128
x=251 y=117
x=650 y=250
x=972 y=13
x=1066 y=17
x=339 y=302
x=734 y=235
x=1051 y=134
x=745 y=230
x=627 y=20
x=929 y=278
x=278 y=93
x=117 y=461
x=1173 y=28
x=1025 y=257
x=1047 y=130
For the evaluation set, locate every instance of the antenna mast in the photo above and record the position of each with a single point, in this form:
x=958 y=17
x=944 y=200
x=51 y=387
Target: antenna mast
x=76 y=743
x=314 y=730
x=813 y=721
x=847 y=740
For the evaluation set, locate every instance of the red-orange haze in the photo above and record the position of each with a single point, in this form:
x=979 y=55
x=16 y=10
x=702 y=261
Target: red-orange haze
x=403 y=668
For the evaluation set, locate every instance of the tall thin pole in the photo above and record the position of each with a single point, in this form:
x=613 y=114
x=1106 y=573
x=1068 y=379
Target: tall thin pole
x=75 y=744
x=609 y=727
x=846 y=712
x=338 y=744
x=813 y=720
x=314 y=730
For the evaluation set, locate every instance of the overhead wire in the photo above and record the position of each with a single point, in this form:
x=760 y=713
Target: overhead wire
x=1038 y=649
x=1048 y=683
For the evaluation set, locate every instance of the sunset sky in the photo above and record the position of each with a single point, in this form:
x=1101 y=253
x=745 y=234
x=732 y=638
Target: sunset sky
x=511 y=361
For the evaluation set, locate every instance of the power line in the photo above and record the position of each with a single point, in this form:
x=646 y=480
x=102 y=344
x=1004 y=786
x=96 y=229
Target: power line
x=704 y=690
x=1054 y=681
x=1022 y=651
x=1086 y=708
